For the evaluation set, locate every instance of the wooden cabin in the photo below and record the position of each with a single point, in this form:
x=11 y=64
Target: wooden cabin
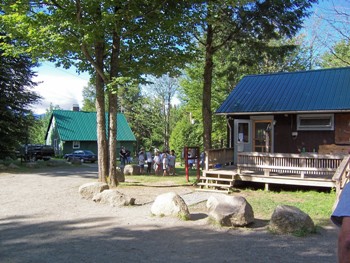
x=290 y=115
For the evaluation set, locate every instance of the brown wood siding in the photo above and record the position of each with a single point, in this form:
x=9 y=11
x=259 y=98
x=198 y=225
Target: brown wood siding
x=307 y=140
x=342 y=128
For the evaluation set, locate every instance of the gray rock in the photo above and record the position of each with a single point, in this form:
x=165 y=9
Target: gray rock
x=32 y=165
x=170 y=204
x=88 y=190
x=289 y=219
x=230 y=210
x=13 y=166
x=131 y=169
x=114 y=198
x=75 y=161
x=53 y=163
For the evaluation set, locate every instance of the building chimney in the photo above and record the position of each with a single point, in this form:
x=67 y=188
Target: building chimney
x=75 y=107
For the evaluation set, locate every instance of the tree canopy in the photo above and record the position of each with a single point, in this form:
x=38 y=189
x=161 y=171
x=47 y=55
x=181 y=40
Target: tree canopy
x=249 y=24
x=110 y=40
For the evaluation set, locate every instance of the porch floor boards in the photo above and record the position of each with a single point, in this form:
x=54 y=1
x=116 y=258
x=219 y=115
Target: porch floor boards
x=222 y=179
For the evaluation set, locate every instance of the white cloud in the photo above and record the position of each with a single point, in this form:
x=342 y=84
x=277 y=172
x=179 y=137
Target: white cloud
x=58 y=87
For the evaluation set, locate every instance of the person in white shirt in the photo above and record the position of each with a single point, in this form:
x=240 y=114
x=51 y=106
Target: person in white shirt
x=157 y=163
x=165 y=162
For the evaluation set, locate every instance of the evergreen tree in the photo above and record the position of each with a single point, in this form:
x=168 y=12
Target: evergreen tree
x=16 y=118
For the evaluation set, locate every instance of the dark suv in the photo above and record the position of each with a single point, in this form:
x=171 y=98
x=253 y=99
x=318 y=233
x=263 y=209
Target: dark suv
x=34 y=152
x=82 y=155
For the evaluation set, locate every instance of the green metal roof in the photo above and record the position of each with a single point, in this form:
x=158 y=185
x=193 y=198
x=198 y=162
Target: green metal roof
x=325 y=90
x=81 y=126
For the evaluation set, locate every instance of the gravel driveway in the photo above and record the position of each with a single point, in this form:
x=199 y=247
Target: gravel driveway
x=43 y=219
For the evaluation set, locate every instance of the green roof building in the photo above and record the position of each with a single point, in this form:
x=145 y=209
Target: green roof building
x=74 y=130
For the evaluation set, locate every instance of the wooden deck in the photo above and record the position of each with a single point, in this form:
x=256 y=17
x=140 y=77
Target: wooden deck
x=287 y=169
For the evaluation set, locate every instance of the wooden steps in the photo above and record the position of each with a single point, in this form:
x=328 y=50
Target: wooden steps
x=212 y=181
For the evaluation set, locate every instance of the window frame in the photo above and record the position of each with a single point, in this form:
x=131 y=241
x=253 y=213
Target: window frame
x=319 y=127
x=76 y=144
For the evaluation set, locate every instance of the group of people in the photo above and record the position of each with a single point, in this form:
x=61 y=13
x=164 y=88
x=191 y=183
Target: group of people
x=162 y=163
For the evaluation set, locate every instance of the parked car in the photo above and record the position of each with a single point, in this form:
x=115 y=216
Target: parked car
x=34 y=152
x=82 y=155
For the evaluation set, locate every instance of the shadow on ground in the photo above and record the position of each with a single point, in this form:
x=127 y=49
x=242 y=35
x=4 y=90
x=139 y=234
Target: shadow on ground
x=100 y=239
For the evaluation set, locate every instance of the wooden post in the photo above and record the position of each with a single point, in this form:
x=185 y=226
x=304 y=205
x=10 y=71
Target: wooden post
x=207 y=160
x=266 y=173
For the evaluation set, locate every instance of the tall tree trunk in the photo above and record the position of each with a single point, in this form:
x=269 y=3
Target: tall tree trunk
x=112 y=131
x=165 y=124
x=208 y=75
x=113 y=107
x=167 y=134
x=102 y=146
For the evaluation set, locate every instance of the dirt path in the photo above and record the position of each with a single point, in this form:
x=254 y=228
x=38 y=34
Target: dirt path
x=43 y=219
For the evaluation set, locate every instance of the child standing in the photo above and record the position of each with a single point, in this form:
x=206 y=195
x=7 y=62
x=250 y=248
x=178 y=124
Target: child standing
x=157 y=163
x=165 y=164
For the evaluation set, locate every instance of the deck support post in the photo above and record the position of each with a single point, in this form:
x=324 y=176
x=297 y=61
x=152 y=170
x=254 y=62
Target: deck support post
x=266 y=187
x=267 y=173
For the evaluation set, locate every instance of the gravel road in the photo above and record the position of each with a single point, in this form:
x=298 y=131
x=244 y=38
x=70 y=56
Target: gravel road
x=43 y=219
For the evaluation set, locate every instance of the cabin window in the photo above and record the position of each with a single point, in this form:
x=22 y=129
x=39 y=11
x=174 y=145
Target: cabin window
x=315 y=122
x=76 y=145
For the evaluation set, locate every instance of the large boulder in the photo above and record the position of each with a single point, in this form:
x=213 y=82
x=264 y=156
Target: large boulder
x=289 y=219
x=230 y=210
x=170 y=204
x=89 y=190
x=13 y=166
x=131 y=169
x=114 y=198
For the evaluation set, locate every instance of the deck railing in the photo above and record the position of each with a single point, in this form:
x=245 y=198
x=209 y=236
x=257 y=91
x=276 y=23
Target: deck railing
x=218 y=156
x=341 y=176
x=303 y=164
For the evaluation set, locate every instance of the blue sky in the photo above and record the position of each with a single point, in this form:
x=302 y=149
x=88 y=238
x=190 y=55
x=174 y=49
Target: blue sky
x=64 y=87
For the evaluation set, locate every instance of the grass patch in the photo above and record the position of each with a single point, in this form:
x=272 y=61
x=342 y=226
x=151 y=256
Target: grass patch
x=178 y=179
x=318 y=205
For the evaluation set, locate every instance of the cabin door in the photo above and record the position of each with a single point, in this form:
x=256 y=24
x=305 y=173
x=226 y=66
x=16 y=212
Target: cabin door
x=242 y=137
x=262 y=136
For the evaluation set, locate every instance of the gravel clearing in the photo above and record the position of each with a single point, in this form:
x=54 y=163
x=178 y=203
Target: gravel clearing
x=43 y=219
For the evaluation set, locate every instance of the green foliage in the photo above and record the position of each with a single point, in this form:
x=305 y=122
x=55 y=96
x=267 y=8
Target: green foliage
x=37 y=131
x=186 y=134
x=89 y=97
x=339 y=56
x=16 y=98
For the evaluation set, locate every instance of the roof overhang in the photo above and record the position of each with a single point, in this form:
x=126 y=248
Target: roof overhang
x=282 y=112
